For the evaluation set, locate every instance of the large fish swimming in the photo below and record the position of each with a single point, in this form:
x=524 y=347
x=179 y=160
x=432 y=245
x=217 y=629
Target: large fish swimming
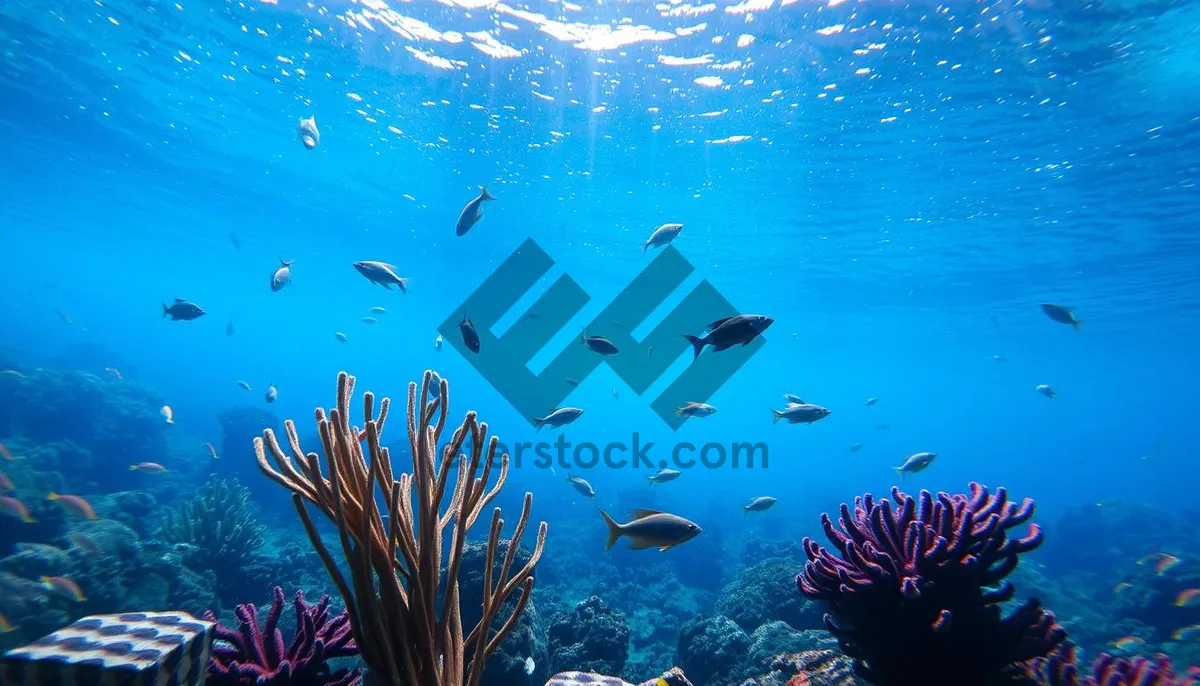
x=472 y=213
x=560 y=417
x=730 y=331
x=800 y=413
x=662 y=236
x=309 y=135
x=381 y=273
x=182 y=310
x=651 y=529
x=1061 y=314
x=914 y=463
x=470 y=336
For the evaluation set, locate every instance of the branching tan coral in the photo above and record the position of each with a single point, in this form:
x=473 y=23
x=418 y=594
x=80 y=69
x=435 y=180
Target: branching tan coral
x=407 y=637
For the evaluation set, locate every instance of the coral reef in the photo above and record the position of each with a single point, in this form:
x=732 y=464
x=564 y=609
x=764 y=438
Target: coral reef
x=590 y=638
x=255 y=655
x=217 y=530
x=808 y=668
x=915 y=596
x=711 y=647
x=1061 y=669
x=767 y=592
x=397 y=564
x=506 y=666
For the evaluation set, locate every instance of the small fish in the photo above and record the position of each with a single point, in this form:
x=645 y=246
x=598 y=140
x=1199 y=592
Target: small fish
x=472 y=212
x=1186 y=633
x=1122 y=587
x=615 y=394
x=437 y=343
x=370 y=320
x=1128 y=643
x=282 y=276
x=560 y=417
x=237 y=242
x=856 y=447
x=212 y=451
x=6 y=454
x=533 y=317
x=662 y=236
x=229 y=328
x=997 y=358
x=1188 y=597
x=649 y=351
x=664 y=475
x=378 y=310
x=870 y=401
x=182 y=310
x=63 y=315
x=800 y=413
x=585 y=489
x=793 y=399
x=470 y=336
x=272 y=393
x=915 y=463
x=1061 y=314
x=13 y=372
x=116 y=373
x=73 y=504
x=167 y=414
x=309 y=135
x=530 y=666
x=1154 y=558
x=341 y=336
x=651 y=529
x=147 y=467
x=1166 y=564
x=382 y=274
x=5 y=626
x=730 y=331
x=695 y=409
x=64 y=587
x=6 y=484
x=599 y=344
x=243 y=385
x=15 y=508
x=573 y=382
x=883 y=427
x=758 y=504
x=1046 y=390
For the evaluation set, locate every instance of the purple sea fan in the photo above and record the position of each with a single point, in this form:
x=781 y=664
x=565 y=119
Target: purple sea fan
x=1060 y=669
x=250 y=656
x=915 y=595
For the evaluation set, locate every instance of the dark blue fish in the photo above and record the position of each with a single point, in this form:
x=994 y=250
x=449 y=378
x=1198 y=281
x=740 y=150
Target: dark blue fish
x=182 y=310
x=730 y=331
x=1061 y=314
x=599 y=344
x=469 y=335
x=472 y=213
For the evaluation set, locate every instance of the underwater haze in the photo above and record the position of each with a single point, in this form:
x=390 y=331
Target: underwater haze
x=899 y=186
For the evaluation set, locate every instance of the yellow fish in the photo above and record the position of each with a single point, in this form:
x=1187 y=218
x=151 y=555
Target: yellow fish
x=73 y=504
x=1187 y=633
x=1188 y=597
x=5 y=627
x=15 y=508
x=1128 y=642
x=1123 y=586
x=64 y=587
x=168 y=413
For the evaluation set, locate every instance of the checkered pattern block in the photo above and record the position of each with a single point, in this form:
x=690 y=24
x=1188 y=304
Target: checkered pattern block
x=130 y=649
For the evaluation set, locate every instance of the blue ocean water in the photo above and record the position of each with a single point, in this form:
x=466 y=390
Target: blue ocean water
x=898 y=185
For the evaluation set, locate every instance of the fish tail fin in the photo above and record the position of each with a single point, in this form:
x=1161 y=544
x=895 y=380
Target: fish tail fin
x=650 y=480
x=483 y=193
x=645 y=245
x=285 y=263
x=538 y=423
x=133 y=468
x=28 y=519
x=614 y=530
x=1076 y=325
x=899 y=472
x=52 y=496
x=403 y=284
x=164 y=306
x=777 y=417
x=697 y=345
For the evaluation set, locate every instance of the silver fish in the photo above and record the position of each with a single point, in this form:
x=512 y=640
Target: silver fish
x=282 y=276
x=800 y=413
x=560 y=417
x=1046 y=390
x=664 y=475
x=914 y=463
x=599 y=344
x=381 y=273
x=585 y=489
x=243 y=385
x=759 y=504
x=437 y=342
x=472 y=213
x=272 y=392
x=662 y=236
x=341 y=336
x=309 y=135
x=694 y=409
x=870 y=401
x=651 y=529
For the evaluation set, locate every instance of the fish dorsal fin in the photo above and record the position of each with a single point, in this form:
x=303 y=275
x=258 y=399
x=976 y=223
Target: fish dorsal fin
x=719 y=322
x=642 y=514
x=179 y=300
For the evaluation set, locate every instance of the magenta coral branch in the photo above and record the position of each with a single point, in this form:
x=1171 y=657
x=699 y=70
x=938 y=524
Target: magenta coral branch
x=914 y=594
x=1060 y=669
